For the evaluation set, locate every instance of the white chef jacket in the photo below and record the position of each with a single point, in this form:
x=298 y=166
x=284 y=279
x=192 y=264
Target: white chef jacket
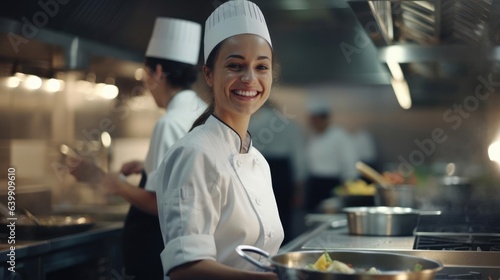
x=181 y=112
x=212 y=198
x=332 y=154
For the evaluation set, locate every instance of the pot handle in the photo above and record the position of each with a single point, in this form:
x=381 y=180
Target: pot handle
x=241 y=251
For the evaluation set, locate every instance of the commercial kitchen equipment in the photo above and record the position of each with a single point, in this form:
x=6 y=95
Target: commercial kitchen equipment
x=467 y=243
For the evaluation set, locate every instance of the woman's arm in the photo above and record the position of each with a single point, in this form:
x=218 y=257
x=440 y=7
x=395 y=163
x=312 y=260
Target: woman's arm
x=209 y=269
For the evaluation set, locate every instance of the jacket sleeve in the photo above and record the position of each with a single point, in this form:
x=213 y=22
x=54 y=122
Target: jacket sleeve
x=188 y=206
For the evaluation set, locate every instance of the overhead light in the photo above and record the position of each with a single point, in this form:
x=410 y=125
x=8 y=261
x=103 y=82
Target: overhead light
x=494 y=151
x=106 y=139
x=53 y=85
x=396 y=71
x=107 y=91
x=32 y=82
x=139 y=73
x=402 y=92
x=13 y=82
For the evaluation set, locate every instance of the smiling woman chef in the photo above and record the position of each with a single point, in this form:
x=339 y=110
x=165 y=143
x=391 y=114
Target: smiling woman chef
x=214 y=188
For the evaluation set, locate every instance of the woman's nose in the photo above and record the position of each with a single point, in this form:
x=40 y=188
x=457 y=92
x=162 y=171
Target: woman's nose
x=248 y=76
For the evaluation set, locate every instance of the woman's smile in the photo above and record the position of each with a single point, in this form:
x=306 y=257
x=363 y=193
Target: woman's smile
x=245 y=93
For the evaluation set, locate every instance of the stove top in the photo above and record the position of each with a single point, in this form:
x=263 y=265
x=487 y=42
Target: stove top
x=459 y=224
x=465 y=244
x=458 y=243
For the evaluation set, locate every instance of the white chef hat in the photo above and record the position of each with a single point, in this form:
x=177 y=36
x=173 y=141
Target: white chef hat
x=318 y=106
x=234 y=18
x=175 y=39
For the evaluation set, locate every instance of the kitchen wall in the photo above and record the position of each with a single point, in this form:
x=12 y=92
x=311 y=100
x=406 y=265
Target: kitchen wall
x=399 y=134
x=35 y=124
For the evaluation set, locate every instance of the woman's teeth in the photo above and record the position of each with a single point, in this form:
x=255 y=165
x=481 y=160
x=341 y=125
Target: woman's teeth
x=246 y=93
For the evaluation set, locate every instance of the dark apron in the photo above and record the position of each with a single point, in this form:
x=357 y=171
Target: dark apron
x=318 y=189
x=281 y=174
x=142 y=243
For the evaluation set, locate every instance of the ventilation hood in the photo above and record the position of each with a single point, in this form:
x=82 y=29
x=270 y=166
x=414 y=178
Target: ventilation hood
x=445 y=48
x=442 y=46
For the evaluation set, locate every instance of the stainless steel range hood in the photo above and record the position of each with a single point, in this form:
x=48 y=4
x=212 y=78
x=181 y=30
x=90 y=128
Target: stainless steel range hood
x=442 y=46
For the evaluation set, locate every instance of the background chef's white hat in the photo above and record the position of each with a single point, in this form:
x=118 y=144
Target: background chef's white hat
x=318 y=106
x=175 y=39
x=234 y=18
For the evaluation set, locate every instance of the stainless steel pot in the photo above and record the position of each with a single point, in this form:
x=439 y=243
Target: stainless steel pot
x=395 y=196
x=291 y=266
x=383 y=221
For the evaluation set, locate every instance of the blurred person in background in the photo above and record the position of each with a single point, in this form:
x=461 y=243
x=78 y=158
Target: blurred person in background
x=281 y=141
x=330 y=155
x=170 y=71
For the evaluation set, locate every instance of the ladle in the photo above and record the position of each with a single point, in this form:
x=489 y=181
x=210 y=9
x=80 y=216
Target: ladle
x=372 y=174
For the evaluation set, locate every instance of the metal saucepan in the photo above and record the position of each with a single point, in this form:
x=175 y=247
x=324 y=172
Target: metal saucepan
x=49 y=226
x=383 y=221
x=396 y=196
x=293 y=265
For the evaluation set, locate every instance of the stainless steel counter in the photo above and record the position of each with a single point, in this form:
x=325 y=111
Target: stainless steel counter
x=92 y=254
x=331 y=233
x=30 y=248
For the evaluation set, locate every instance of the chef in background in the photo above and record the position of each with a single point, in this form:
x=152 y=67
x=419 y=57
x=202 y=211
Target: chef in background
x=330 y=155
x=281 y=141
x=170 y=71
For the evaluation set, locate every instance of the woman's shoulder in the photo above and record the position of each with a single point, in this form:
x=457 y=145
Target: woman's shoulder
x=198 y=140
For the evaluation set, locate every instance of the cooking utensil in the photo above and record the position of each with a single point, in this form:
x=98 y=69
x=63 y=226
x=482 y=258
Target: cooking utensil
x=68 y=151
x=383 y=221
x=392 y=266
x=396 y=196
x=32 y=217
x=50 y=226
x=4 y=210
x=372 y=174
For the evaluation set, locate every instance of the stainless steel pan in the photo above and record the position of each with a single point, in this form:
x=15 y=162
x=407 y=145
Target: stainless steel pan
x=392 y=266
x=49 y=226
x=383 y=221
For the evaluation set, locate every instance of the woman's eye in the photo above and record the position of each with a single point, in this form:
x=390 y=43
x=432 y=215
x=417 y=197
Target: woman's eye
x=234 y=66
x=263 y=67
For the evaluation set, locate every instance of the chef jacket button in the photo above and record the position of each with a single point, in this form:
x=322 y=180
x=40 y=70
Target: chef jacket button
x=257 y=200
x=270 y=234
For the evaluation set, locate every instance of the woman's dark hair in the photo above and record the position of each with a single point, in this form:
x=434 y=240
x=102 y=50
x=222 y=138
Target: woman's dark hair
x=179 y=74
x=212 y=57
x=211 y=106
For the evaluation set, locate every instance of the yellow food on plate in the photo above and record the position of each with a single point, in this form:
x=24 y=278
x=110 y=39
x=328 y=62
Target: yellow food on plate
x=357 y=187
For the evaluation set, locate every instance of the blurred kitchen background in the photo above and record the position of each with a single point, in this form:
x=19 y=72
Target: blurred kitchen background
x=70 y=75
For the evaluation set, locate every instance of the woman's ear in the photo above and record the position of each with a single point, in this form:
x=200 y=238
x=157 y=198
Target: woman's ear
x=208 y=76
x=158 y=72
